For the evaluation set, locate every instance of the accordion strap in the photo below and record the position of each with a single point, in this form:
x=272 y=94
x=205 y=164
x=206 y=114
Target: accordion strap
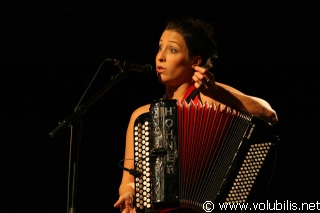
x=192 y=94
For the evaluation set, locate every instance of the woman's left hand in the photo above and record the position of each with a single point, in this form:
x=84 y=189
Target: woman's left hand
x=203 y=79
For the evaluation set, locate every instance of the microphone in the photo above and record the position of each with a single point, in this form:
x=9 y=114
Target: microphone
x=147 y=68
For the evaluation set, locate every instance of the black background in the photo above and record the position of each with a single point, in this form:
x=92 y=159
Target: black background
x=50 y=51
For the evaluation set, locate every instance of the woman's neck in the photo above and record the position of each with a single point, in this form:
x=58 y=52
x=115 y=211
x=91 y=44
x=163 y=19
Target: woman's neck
x=177 y=92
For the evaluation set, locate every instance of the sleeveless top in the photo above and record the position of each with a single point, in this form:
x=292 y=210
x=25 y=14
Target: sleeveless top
x=192 y=93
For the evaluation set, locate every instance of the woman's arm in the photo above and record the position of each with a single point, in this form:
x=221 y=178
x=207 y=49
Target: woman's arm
x=253 y=105
x=227 y=95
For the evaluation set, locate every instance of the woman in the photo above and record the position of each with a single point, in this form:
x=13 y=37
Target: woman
x=185 y=56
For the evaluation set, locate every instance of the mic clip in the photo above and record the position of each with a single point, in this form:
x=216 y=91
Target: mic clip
x=133 y=172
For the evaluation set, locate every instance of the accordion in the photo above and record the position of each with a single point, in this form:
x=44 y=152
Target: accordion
x=189 y=154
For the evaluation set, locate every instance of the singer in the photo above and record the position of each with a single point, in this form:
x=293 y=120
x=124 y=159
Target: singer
x=185 y=64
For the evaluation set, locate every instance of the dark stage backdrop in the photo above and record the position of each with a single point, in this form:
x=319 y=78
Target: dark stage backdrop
x=50 y=52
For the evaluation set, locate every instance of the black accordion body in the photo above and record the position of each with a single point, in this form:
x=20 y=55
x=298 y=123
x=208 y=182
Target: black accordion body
x=190 y=153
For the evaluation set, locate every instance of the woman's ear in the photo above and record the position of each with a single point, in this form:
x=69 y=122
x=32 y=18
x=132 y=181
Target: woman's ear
x=197 y=61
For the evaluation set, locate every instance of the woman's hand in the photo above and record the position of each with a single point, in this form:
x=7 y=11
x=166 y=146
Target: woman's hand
x=125 y=202
x=203 y=79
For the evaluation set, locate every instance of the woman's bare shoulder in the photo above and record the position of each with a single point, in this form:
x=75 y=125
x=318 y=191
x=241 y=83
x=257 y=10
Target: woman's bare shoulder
x=140 y=110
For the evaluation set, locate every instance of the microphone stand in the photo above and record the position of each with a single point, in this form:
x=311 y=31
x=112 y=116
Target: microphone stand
x=74 y=121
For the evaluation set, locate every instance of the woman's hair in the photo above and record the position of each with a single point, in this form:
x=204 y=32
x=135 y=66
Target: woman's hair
x=199 y=37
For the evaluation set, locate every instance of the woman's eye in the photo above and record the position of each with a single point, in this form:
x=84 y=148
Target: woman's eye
x=173 y=50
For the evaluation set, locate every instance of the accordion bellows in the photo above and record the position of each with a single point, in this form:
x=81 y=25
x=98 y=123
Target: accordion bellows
x=190 y=153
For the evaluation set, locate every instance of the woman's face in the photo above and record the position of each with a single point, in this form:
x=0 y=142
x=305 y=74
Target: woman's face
x=173 y=65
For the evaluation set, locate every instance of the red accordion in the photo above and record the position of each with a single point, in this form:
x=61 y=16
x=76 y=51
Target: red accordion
x=190 y=153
